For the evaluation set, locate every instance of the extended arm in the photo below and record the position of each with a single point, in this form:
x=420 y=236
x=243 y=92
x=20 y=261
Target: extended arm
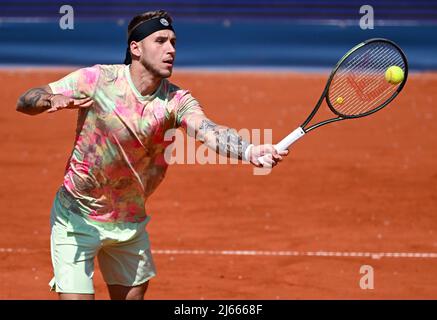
x=223 y=140
x=227 y=142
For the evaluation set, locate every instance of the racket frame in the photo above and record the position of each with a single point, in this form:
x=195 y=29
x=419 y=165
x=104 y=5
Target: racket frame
x=301 y=131
x=325 y=93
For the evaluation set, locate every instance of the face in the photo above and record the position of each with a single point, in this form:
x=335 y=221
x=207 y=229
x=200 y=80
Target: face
x=157 y=52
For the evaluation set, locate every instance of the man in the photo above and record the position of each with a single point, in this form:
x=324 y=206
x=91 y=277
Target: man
x=118 y=159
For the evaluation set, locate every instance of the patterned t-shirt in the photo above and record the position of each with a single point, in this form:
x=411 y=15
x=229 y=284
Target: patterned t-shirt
x=118 y=155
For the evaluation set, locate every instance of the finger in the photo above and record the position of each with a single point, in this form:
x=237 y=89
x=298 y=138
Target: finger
x=259 y=162
x=273 y=150
x=276 y=155
x=277 y=158
x=61 y=104
x=264 y=161
x=273 y=160
x=267 y=165
x=66 y=103
x=271 y=165
x=268 y=160
x=284 y=152
x=78 y=102
x=87 y=104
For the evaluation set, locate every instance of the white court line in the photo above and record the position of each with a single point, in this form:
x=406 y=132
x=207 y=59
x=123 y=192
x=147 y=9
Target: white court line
x=335 y=254
x=373 y=255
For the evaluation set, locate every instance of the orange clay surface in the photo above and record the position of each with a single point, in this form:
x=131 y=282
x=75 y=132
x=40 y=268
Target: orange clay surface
x=360 y=186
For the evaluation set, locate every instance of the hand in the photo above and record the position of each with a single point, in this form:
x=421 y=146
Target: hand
x=273 y=156
x=59 y=101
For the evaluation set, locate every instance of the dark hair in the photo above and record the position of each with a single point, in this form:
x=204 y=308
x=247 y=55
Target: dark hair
x=147 y=16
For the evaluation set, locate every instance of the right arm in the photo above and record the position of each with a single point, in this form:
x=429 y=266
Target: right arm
x=222 y=139
x=38 y=100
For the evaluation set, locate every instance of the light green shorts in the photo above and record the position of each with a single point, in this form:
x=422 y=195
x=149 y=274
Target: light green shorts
x=123 y=251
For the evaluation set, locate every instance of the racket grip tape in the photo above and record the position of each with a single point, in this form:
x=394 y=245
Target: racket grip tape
x=286 y=142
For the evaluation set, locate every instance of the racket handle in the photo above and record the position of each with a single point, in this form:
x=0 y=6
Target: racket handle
x=290 y=139
x=286 y=142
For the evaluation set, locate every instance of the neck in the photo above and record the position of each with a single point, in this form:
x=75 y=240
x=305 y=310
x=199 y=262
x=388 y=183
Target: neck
x=145 y=82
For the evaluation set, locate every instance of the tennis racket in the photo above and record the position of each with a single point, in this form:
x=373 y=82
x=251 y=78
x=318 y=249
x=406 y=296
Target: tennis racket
x=357 y=86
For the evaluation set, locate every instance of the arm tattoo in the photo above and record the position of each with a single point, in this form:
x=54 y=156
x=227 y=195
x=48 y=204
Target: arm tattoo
x=34 y=101
x=223 y=140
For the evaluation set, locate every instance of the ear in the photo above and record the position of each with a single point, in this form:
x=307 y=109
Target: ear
x=135 y=49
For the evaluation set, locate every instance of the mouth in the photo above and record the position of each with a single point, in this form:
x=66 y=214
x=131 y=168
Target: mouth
x=169 y=62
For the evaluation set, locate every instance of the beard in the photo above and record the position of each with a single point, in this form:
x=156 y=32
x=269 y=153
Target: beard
x=155 y=71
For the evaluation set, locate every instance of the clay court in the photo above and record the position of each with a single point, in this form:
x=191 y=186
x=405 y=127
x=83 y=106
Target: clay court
x=359 y=192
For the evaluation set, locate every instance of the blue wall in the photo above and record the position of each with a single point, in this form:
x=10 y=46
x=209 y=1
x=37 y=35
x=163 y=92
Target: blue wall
x=397 y=10
x=307 y=34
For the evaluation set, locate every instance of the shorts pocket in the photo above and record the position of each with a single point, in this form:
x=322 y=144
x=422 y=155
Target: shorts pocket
x=59 y=214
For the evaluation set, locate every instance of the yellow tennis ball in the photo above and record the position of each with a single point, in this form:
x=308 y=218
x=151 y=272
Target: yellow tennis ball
x=339 y=100
x=394 y=75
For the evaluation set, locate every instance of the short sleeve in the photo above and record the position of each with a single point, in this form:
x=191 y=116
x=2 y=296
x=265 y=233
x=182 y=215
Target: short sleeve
x=78 y=84
x=187 y=107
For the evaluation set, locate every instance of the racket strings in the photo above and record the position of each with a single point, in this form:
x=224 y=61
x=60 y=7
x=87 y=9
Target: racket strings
x=359 y=85
x=359 y=81
x=356 y=63
x=370 y=83
x=371 y=86
x=366 y=80
x=341 y=80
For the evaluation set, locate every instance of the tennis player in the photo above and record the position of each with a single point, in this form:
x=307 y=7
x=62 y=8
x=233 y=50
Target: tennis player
x=118 y=160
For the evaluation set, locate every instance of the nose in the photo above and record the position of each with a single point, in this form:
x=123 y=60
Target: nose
x=171 y=48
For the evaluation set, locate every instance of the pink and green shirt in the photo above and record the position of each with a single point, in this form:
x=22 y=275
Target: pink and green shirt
x=118 y=155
